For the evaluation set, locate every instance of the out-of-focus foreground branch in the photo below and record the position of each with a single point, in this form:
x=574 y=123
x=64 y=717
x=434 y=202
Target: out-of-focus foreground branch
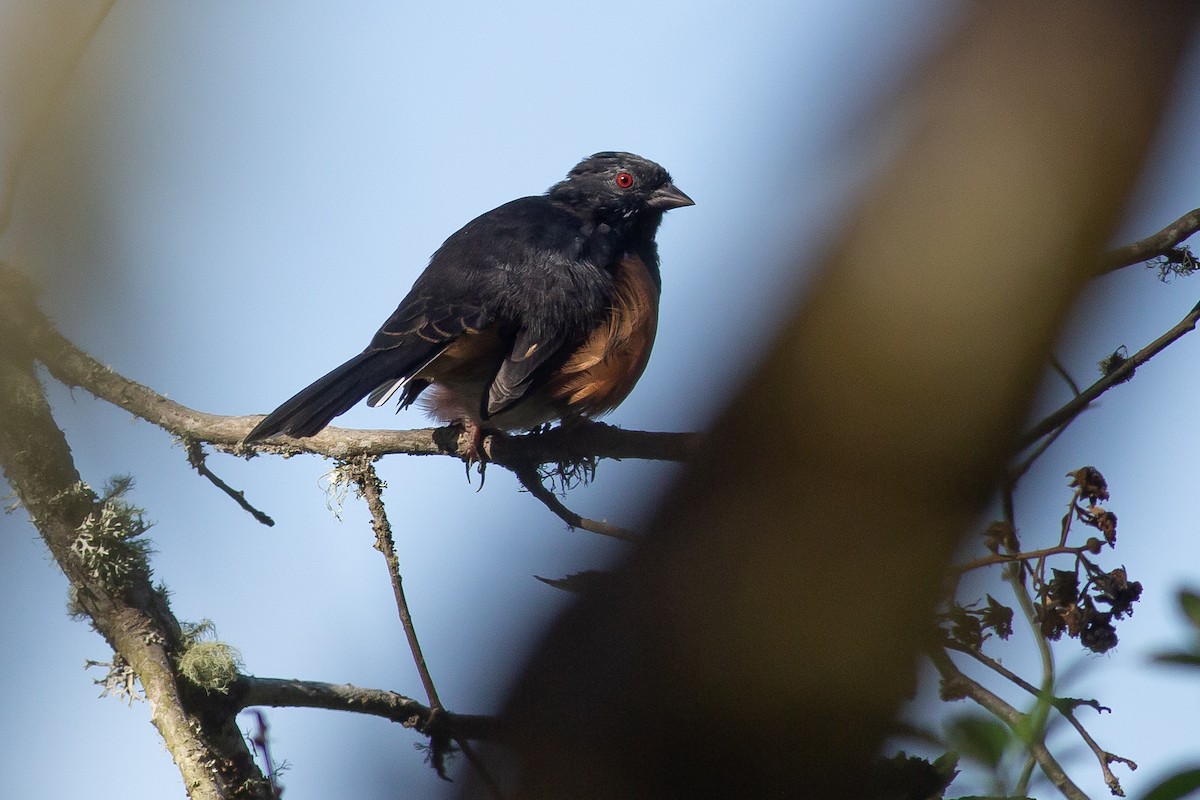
x=760 y=640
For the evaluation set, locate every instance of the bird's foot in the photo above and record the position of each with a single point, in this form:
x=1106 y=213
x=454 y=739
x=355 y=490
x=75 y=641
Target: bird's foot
x=473 y=448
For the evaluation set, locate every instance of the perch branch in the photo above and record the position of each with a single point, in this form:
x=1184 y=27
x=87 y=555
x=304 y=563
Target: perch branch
x=73 y=367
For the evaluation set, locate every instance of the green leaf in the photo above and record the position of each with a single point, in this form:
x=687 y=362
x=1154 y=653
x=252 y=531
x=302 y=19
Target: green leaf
x=947 y=764
x=1186 y=659
x=1179 y=785
x=1190 y=603
x=981 y=738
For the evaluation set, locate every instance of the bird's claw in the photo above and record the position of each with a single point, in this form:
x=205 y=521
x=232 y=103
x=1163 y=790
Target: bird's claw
x=472 y=451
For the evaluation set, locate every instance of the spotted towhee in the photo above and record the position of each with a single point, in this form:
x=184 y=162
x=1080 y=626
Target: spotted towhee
x=544 y=308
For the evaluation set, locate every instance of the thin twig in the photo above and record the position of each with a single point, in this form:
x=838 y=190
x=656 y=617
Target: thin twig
x=1069 y=517
x=1064 y=706
x=1016 y=473
x=529 y=478
x=1062 y=371
x=1077 y=404
x=1010 y=558
x=198 y=460
x=362 y=472
x=957 y=685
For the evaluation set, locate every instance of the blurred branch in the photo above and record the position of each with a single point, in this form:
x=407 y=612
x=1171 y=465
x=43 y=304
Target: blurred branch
x=251 y=691
x=41 y=116
x=1077 y=404
x=1062 y=371
x=806 y=544
x=1015 y=473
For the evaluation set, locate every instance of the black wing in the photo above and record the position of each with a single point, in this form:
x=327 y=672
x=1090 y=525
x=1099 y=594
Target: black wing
x=517 y=266
x=409 y=340
x=416 y=334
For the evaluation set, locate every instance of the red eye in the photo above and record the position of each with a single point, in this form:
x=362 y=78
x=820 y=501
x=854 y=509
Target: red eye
x=624 y=180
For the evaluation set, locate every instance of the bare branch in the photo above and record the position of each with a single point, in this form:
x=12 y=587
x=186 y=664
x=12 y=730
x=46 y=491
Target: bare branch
x=362 y=472
x=1065 y=706
x=1016 y=473
x=956 y=685
x=252 y=691
x=529 y=478
x=1122 y=373
x=1062 y=372
x=198 y=461
x=1009 y=558
x=1159 y=244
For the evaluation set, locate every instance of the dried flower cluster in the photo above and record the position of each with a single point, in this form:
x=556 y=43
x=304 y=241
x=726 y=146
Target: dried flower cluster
x=1083 y=602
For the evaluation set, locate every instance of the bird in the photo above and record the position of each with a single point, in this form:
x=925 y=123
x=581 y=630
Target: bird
x=543 y=309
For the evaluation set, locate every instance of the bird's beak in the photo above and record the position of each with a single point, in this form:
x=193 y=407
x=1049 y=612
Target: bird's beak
x=667 y=197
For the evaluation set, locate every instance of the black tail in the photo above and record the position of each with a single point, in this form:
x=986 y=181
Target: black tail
x=311 y=409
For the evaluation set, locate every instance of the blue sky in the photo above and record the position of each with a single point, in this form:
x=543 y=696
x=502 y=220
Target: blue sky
x=234 y=196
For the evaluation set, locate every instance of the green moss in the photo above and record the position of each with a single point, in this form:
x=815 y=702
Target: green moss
x=211 y=665
x=109 y=542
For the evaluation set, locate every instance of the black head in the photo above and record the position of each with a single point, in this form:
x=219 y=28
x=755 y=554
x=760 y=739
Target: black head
x=614 y=186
